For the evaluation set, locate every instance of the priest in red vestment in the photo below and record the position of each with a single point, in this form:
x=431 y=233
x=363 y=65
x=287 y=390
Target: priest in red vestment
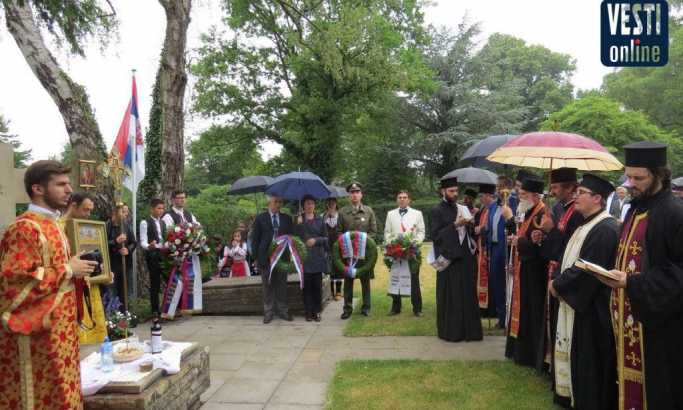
x=39 y=352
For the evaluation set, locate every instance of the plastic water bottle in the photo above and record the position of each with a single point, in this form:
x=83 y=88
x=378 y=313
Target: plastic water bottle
x=106 y=356
x=156 y=341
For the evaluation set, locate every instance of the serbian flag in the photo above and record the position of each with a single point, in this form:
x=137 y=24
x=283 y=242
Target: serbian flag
x=129 y=145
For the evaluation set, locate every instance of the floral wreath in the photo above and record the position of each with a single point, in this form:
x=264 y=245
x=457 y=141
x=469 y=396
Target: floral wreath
x=285 y=264
x=344 y=265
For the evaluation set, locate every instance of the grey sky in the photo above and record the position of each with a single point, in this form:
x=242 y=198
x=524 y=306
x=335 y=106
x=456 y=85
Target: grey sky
x=567 y=27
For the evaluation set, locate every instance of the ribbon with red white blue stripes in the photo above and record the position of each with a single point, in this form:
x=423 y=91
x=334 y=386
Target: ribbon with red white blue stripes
x=282 y=243
x=353 y=249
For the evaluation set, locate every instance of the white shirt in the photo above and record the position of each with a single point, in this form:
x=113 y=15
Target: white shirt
x=144 y=240
x=168 y=220
x=44 y=211
x=411 y=222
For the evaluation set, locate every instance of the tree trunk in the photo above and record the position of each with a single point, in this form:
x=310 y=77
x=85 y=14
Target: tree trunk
x=173 y=82
x=71 y=98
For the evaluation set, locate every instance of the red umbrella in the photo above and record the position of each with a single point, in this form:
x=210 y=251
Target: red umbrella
x=553 y=149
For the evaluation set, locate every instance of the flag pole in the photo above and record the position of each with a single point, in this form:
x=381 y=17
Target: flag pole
x=134 y=157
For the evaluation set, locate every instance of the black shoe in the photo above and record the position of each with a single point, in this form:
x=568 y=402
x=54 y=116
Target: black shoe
x=267 y=319
x=287 y=316
x=418 y=314
x=346 y=315
x=309 y=316
x=393 y=313
x=317 y=317
x=365 y=313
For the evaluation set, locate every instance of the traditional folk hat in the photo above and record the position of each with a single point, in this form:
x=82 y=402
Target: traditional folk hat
x=598 y=185
x=533 y=185
x=563 y=175
x=645 y=154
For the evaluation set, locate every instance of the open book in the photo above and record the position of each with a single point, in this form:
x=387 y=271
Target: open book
x=595 y=269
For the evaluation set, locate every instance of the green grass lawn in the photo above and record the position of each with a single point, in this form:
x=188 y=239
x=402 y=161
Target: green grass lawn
x=405 y=324
x=416 y=384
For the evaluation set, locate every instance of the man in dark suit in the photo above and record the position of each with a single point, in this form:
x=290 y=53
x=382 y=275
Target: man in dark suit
x=267 y=226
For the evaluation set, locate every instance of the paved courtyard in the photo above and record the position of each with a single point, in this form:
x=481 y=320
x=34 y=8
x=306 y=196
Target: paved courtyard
x=287 y=365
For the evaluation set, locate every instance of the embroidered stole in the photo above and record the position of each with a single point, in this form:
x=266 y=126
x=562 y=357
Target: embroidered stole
x=565 y=317
x=483 y=264
x=516 y=289
x=627 y=331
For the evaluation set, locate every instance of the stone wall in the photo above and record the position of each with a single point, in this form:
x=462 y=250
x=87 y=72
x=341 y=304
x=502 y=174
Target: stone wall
x=244 y=296
x=180 y=391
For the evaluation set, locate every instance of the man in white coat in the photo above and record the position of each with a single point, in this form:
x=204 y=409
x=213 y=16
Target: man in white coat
x=404 y=220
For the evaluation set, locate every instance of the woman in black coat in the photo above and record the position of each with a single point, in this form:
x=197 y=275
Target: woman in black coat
x=312 y=231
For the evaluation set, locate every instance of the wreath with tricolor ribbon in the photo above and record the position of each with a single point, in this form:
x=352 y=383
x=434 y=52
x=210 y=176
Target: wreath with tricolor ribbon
x=287 y=254
x=354 y=255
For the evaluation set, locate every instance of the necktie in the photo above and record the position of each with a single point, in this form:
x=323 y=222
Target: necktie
x=276 y=225
x=402 y=211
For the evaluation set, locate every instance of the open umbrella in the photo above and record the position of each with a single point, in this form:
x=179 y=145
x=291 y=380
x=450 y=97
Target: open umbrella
x=471 y=175
x=337 y=191
x=475 y=156
x=552 y=150
x=250 y=185
x=296 y=185
x=677 y=182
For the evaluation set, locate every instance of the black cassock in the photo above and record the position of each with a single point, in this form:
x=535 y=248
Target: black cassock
x=552 y=249
x=593 y=358
x=533 y=285
x=656 y=297
x=457 y=307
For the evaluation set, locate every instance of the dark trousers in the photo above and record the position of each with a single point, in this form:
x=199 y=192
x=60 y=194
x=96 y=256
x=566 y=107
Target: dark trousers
x=312 y=293
x=348 y=294
x=415 y=295
x=153 y=260
x=336 y=284
x=274 y=292
x=116 y=289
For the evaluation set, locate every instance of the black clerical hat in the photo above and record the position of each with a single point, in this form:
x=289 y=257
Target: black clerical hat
x=449 y=182
x=487 y=189
x=645 y=154
x=563 y=175
x=598 y=185
x=533 y=185
x=524 y=174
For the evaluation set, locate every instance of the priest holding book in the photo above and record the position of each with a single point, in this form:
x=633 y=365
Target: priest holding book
x=584 y=365
x=647 y=301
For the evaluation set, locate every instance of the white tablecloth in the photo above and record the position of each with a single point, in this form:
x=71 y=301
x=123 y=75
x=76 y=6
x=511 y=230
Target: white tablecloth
x=93 y=379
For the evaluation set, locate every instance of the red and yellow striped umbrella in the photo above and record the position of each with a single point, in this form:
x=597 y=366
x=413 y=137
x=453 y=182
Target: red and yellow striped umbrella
x=552 y=150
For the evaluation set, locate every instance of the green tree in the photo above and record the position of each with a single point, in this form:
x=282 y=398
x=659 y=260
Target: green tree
x=21 y=156
x=656 y=91
x=150 y=186
x=606 y=121
x=542 y=74
x=221 y=155
x=301 y=72
x=462 y=108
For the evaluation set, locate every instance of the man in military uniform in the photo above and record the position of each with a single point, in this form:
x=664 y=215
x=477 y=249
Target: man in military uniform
x=357 y=217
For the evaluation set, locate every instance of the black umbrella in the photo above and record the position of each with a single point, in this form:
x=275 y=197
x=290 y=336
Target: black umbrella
x=471 y=175
x=296 y=185
x=475 y=156
x=337 y=191
x=250 y=185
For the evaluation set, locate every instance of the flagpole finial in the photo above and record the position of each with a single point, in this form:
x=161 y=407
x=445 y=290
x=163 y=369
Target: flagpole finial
x=133 y=70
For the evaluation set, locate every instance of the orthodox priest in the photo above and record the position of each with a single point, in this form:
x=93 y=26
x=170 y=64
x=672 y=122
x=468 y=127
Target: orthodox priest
x=556 y=228
x=530 y=279
x=647 y=300
x=584 y=355
x=457 y=309
x=39 y=354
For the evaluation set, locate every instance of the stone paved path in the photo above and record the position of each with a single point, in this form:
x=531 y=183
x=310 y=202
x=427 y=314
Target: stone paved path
x=287 y=365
